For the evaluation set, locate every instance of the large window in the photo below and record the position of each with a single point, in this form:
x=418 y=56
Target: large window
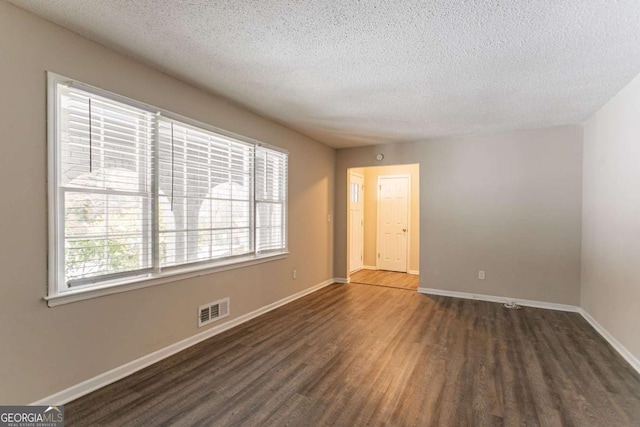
x=138 y=193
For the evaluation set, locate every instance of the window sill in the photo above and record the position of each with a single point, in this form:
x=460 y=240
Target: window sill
x=90 y=292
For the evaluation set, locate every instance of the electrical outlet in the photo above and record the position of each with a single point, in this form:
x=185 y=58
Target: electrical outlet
x=294 y=274
x=481 y=275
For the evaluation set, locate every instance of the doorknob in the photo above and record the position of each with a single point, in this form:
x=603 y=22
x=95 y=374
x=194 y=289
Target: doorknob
x=404 y=229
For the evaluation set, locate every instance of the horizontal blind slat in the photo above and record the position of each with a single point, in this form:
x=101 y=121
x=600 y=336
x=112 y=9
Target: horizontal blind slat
x=270 y=199
x=210 y=180
x=106 y=174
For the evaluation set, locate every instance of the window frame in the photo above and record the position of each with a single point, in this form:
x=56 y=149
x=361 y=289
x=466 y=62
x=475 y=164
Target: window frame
x=59 y=292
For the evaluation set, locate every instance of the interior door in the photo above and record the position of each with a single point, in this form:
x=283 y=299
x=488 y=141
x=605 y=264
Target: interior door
x=393 y=220
x=356 y=222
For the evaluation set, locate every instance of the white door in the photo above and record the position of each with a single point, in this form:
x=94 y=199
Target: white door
x=393 y=221
x=356 y=221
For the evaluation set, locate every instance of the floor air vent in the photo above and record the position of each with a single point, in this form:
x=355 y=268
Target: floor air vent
x=213 y=311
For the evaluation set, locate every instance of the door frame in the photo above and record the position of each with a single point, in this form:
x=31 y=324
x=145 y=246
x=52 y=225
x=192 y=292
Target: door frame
x=378 y=190
x=351 y=173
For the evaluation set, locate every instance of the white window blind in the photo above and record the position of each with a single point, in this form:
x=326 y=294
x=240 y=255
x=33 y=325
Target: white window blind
x=105 y=186
x=206 y=183
x=271 y=194
x=140 y=193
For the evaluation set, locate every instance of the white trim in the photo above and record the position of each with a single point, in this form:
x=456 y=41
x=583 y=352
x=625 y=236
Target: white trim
x=85 y=387
x=93 y=291
x=369 y=267
x=342 y=280
x=491 y=298
x=67 y=395
x=414 y=272
x=622 y=350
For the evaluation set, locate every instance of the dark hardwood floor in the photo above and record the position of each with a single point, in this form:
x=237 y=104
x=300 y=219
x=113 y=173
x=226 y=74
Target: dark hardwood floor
x=356 y=355
x=386 y=278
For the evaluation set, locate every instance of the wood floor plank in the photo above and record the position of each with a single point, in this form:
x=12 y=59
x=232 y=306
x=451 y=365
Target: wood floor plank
x=351 y=355
x=390 y=279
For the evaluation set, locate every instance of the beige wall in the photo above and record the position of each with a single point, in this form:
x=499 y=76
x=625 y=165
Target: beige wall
x=507 y=203
x=371 y=211
x=610 y=290
x=44 y=350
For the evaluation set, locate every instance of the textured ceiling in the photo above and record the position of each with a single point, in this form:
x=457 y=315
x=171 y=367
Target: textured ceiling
x=361 y=72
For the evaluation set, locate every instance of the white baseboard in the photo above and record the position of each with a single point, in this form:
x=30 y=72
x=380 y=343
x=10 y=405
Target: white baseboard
x=120 y=372
x=622 y=350
x=342 y=280
x=491 y=298
x=373 y=267
x=85 y=387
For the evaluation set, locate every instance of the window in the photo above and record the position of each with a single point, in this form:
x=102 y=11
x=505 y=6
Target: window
x=137 y=193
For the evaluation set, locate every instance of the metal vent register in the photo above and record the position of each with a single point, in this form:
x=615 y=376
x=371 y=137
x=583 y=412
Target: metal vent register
x=213 y=311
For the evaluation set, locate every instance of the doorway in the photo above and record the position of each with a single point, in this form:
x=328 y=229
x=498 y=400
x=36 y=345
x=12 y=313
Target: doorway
x=383 y=225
